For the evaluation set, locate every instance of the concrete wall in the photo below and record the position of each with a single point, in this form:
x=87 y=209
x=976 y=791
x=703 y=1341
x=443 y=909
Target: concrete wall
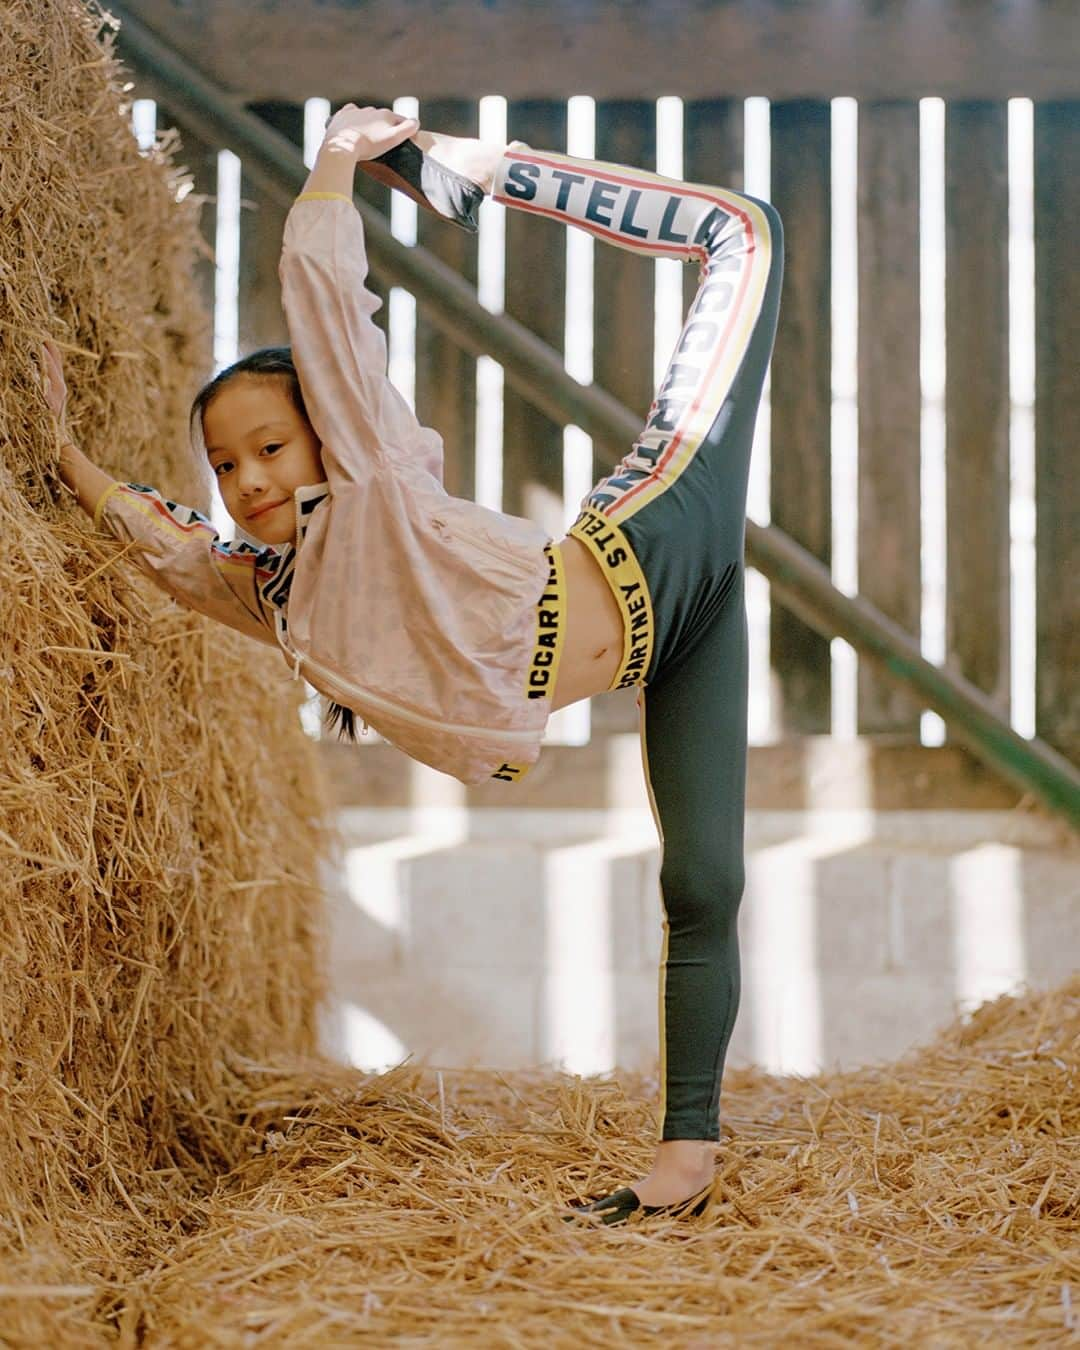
x=521 y=937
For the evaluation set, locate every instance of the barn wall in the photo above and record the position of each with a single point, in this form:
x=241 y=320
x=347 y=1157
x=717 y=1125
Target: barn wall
x=644 y=48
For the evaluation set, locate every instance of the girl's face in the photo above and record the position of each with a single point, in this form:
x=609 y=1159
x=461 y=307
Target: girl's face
x=261 y=448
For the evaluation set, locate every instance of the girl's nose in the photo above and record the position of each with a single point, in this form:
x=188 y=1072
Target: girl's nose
x=250 y=479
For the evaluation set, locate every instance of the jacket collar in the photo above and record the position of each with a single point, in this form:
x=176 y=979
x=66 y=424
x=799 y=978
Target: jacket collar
x=307 y=499
x=280 y=560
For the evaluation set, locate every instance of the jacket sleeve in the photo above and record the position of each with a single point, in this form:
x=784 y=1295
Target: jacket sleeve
x=340 y=354
x=178 y=548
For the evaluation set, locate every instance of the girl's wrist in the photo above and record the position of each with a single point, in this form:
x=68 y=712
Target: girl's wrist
x=334 y=148
x=81 y=477
x=67 y=463
x=332 y=171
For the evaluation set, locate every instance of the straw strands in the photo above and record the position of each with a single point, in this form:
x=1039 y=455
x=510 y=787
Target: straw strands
x=932 y=1200
x=160 y=822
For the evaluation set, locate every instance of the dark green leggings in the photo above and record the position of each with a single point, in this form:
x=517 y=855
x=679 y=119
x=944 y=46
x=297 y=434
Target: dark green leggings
x=667 y=527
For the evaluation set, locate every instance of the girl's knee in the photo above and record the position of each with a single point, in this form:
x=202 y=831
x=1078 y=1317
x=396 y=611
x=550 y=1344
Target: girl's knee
x=702 y=893
x=772 y=217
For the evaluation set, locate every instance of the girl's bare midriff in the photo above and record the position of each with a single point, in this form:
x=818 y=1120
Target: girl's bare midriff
x=592 y=648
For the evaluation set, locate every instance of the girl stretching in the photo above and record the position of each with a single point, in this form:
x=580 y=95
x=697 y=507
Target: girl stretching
x=455 y=630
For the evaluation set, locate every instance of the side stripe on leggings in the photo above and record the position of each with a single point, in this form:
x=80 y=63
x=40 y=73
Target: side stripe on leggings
x=649 y=214
x=711 y=347
x=661 y=1013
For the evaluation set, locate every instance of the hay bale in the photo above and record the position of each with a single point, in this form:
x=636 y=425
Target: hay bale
x=161 y=822
x=929 y=1201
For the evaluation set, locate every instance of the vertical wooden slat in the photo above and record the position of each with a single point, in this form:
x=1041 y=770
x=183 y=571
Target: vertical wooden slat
x=713 y=135
x=262 y=221
x=379 y=197
x=535 y=291
x=624 y=296
x=200 y=159
x=889 y=394
x=624 y=286
x=713 y=153
x=446 y=375
x=977 y=394
x=801 y=399
x=1057 y=417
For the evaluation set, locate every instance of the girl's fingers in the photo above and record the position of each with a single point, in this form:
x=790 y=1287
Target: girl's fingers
x=395 y=135
x=53 y=363
x=52 y=376
x=368 y=132
x=382 y=133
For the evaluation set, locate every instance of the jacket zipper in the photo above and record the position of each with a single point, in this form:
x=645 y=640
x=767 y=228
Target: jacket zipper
x=482 y=733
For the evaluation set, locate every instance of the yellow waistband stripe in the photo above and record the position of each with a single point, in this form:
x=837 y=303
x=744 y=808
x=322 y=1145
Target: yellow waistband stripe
x=324 y=197
x=612 y=550
x=543 y=672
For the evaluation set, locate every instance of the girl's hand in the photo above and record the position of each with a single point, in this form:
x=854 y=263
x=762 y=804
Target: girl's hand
x=82 y=479
x=52 y=377
x=364 y=133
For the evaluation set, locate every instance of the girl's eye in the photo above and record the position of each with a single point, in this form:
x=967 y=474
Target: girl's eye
x=221 y=465
x=270 y=449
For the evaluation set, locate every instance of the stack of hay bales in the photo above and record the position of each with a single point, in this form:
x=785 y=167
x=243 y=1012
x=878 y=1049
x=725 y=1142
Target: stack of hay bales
x=160 y=817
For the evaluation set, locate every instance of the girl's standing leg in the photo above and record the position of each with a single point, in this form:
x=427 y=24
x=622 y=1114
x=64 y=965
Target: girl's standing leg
x=694 y=750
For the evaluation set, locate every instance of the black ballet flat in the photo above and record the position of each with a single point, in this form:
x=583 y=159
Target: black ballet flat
x=430 y=184
x=621 y=1204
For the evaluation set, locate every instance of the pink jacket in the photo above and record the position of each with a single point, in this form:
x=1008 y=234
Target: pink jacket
x=416 y=609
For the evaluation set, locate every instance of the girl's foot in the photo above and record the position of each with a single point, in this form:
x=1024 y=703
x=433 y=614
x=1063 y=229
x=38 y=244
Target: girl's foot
x=682 y=1168
x=447 y=175
x=624 y=1203
x=473 y=159
x=678 y=1185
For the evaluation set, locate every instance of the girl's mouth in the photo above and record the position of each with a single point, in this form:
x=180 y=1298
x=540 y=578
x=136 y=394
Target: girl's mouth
x=262 y=510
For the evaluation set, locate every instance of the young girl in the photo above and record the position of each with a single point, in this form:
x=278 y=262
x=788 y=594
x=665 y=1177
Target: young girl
x=455 y=630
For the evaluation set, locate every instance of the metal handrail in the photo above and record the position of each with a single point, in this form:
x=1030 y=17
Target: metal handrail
x=799 y=579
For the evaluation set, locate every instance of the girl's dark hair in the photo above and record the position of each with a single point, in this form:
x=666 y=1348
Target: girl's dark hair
x=339 y=719
x=271 y=361
x=265 y=361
